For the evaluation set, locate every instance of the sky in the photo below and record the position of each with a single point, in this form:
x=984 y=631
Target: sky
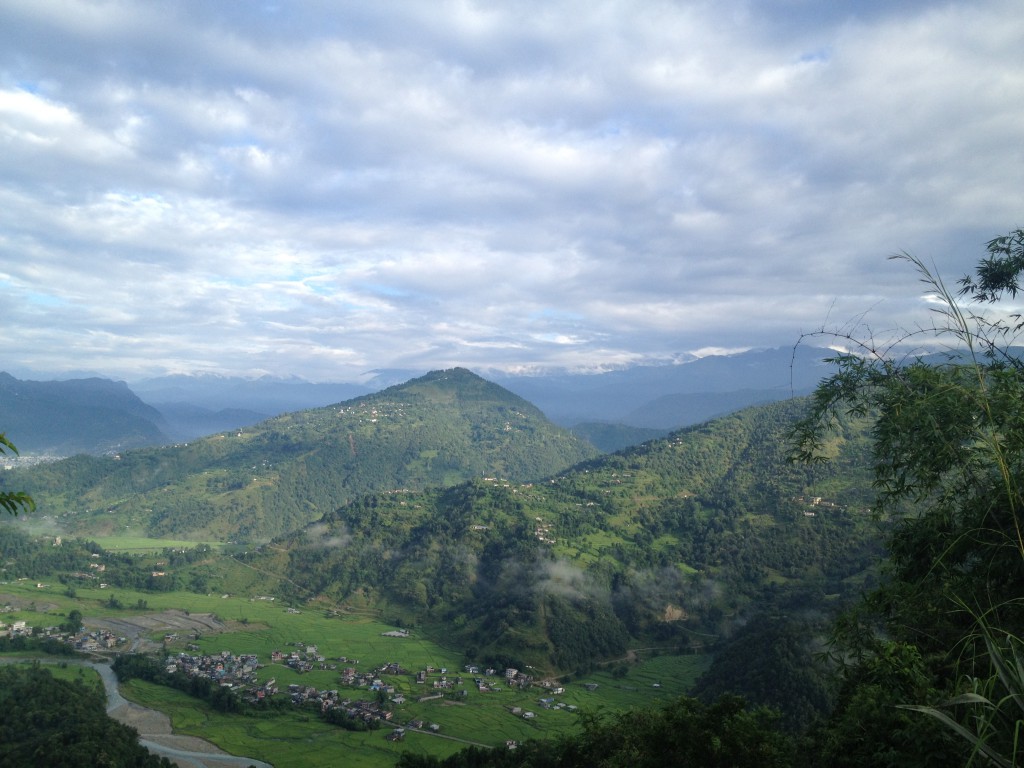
x=322 y=189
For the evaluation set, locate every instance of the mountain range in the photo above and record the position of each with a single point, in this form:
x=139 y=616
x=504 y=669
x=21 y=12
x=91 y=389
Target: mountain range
x=612 y=409
x=454 y=506
x=450 y=503
x=672 y=396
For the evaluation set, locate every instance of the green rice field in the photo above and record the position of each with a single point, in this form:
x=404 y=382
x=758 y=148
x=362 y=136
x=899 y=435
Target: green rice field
x=298 y=737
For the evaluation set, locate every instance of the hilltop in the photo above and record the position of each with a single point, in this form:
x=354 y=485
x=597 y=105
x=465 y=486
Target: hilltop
x=256 y=482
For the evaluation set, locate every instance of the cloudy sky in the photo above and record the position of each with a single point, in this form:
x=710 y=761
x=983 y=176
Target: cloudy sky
x=323 y=188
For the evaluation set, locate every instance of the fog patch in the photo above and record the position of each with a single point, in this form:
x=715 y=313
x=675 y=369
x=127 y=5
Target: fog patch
x=323 y=536
x=668 y=592
x=562 y=578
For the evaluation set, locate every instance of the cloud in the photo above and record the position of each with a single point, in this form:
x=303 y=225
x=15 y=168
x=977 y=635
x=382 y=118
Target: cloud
x=322 y=536
x=559 y=577
x=303 y=188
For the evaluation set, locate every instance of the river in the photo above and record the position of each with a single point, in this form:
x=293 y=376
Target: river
x=155 y=733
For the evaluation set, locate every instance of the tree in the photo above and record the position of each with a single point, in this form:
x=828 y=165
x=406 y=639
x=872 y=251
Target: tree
x=63 y=724
x=73 y=623
x=948 y=442
x=13 y=501
x=948 y=464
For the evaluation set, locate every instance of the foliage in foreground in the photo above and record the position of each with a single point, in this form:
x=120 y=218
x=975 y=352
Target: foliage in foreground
x=948 y=438
x=13 y=501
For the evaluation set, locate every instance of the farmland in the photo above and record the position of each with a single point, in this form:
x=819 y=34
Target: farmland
x=297 y=736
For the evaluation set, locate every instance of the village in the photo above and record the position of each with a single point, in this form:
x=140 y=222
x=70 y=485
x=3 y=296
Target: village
x=82 y=640
x=392 y=696
x=246 y=677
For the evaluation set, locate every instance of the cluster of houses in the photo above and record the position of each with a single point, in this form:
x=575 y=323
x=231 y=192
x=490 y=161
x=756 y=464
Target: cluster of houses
x=85 y=641
x=366 y=710
x=543 y=531
x=239 y=672
x=225 y=668
x=372 y=680
x=420 y=725
x=15 y=629
x=372 y=413
x=98 y=640
x=812 y=502
x=548 y=702
x=305 y=659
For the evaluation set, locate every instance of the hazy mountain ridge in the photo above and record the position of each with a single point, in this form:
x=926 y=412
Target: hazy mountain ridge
x=609 y=438
x=197 y=405
x=676 y=395
x=86 y=415
x=76 y=416
x=266 y=394
x=185 y=421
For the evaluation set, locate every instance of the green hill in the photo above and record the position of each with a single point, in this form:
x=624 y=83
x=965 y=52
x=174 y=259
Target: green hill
x=261 y=481
x=676 y=542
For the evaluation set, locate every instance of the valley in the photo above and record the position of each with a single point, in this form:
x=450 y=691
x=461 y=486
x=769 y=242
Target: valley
x=383 y=563
x=346 y=639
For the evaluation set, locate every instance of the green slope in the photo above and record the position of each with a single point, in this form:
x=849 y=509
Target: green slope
x=675 y=542
x=261 y=481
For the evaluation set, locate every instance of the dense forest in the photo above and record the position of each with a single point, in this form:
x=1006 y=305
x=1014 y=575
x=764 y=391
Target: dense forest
x=49 y=722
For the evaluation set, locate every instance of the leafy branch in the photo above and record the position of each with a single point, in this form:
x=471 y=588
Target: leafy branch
x=13 y=502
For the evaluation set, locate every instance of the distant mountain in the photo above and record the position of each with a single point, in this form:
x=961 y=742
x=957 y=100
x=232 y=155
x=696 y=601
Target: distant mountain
x=260 y=481
x=76 y=416
x=695 y=407
x=184 y=421
x=197 y=405
x=658 y=397
x=381 y=378
x=609 y=438
x=672 y=396
x=267 y=394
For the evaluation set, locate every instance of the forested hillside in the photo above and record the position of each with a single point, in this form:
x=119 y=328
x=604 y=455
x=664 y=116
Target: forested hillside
x=676 y=540
x=260 y=481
